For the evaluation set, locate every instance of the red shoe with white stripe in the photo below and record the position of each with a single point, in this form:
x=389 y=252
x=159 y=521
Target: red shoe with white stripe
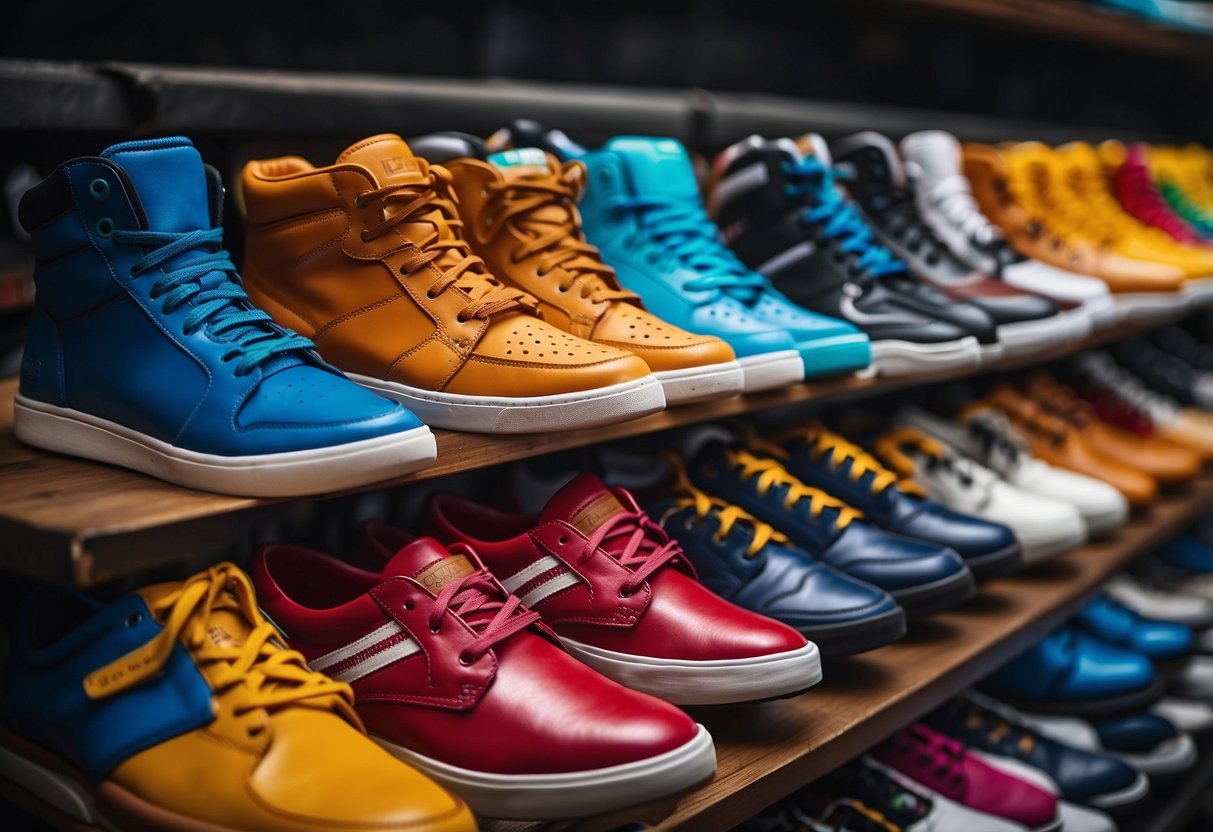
x=454 y=675
x=622 y=598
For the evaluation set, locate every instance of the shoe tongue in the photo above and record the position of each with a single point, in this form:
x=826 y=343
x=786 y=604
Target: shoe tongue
x=225 y=627
x=810 y=144
x=935 y=152
x=657 y=167
x=872 y=158
x=387 y=158
x=585 y=504
x=426 y=561
x=522 y=162
x=170 y=182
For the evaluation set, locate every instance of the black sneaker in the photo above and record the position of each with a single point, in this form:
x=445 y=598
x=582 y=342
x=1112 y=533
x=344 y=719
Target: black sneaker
x=782 y=213
x=872 y=169
x=1165 y=372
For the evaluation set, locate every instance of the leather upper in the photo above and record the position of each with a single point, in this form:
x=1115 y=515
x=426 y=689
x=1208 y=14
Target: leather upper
x=1069 y=665
x=814 y=262
x=878 y=182
x=667 y=615
x=547 y=712
x=1116 y=624
x=107 y=338
x=367 y=257
x=826 y=528
x=210 y=737
x=510 y=205
x=884 y=501
x=1134 y=733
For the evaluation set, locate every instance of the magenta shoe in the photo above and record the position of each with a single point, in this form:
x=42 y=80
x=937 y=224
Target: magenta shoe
x=944 y=765
x=1140 y=197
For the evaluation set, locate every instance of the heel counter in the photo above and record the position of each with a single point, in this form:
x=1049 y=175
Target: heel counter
x=42 y=373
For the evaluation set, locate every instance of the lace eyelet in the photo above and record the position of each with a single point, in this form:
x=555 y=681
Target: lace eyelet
x=436 y=629
x=431 y=294
x=624 y=592
x=362 y=235
x=466 y=660
x=408 y=606
x=359 y=202
x=134 y=619
x=105 y=227
x=99 y=190
x=564 y=540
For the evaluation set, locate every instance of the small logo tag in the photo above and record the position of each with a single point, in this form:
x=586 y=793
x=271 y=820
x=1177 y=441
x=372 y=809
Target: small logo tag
x=594 y=513
x=398 y=164
x=437 y=575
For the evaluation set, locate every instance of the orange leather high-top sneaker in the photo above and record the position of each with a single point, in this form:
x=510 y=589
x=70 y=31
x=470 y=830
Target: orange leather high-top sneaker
x=520 y=215
x=367 y=258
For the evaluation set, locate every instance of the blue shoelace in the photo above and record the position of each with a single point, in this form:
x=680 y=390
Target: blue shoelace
x=839 y=220
x=687 y=234
x=253 y=334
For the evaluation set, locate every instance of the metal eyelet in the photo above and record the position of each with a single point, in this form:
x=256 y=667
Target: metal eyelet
x=134 y=619
x=465 y=660
x=105 y=227
x=99 y=190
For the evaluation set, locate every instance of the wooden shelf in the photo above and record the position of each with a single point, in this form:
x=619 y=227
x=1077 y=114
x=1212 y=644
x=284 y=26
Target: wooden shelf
x=767 y=751
x=70 y=520
x=1079 y=21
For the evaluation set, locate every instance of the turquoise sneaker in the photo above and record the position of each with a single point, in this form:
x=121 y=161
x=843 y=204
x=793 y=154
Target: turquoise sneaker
x=644 y=211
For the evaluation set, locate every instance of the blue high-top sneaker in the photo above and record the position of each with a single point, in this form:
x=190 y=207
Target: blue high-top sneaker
x=145 y=352
x=643 y=209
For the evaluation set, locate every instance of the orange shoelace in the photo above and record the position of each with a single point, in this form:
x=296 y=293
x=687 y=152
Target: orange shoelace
x=825 y=444
x=688 y=496
x=768 y=473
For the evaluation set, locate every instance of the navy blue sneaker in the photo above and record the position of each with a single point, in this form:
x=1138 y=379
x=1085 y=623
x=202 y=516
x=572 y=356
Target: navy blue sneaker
x=922 y=578
x=823 y=459
x=1081 y=776
x=1146 y=741
x=747 y=562
x=1071 y=672
x=1166 y=643
x=1194 y=550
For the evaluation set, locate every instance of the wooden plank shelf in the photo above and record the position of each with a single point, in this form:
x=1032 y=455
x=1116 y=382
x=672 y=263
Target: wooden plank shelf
x=71 y=520
x=768 y=750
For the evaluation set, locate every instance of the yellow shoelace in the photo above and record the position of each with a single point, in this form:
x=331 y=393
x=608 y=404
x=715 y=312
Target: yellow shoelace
x=837 y=449
x=975 y=719
x=688 y=496
x=890 y=447
x=770 y=473
x=259 y=674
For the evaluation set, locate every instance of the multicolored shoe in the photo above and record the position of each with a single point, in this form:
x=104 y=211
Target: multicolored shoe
x=922 y=577
x=750 y=564
x=177 y=707
x=452 y=674
x=644 y=211
x=1140 y=197
x=623 y=598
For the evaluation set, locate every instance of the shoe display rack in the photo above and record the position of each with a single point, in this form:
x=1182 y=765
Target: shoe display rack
x=73 y=521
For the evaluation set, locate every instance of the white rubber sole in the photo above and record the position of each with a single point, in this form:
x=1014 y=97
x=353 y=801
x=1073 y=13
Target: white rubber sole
x=1103 y=311
x=719 y=682
x=1198 y=291
x=59 y=791
x=904 y=358
x=1103 y=523
x=1029 y=337
x=1171 y=757
x=698 y=384
x=530 y=414
x=1150 y=307
x=771 y=370
x=1047 y=549
x=1132 y=794
x=571 y=794
x=991 y=353
x=289 y=474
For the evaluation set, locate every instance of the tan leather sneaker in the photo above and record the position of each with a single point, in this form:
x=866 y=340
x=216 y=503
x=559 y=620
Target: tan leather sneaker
x=520 y=214
x=367 y=258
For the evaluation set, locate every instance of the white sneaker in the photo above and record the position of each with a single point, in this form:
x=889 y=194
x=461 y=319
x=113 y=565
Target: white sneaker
x=946 y=815
x=946 y=202
x=1195 y=680
x=1045 y=527
x=1192 y=610
x=989 y=438
x=1188 y=715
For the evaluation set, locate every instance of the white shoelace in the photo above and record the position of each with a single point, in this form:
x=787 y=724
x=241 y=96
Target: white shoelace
x=952 y=197
x=1159 y=408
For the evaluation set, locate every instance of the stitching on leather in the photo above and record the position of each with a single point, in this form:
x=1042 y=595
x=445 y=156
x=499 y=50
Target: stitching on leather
x=501 y=362
x=370 y=307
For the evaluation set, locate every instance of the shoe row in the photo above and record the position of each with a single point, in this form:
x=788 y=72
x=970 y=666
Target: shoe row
x=516 y=285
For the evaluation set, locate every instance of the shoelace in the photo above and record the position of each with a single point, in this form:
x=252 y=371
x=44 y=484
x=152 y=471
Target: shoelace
x=1089 y=198
x=812 y=183
x=1028 y=415
x=847 y=814
x=1139 y=190
x=479 y=592
x=875 y=788
x=1104 y=368
x=997 y=729
x=686 y=233
x=953 y=198
x=688 y=496
x=826 y=444
x=997 y=439
x=904 y=223
x=221 y=310
x=645 y=545
x=767 y=473
x=928 y=750
x=259 y=674
x=892 y=446
x=516 y=203
x=414 y=201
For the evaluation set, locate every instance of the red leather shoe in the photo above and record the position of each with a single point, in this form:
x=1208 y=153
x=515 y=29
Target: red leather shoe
x=622 y=598
x=452 y=674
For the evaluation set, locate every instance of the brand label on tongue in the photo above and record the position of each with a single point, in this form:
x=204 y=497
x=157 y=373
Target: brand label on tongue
x=437 y=575
x=596 y=512
x=221 y=637
x=398 y=164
